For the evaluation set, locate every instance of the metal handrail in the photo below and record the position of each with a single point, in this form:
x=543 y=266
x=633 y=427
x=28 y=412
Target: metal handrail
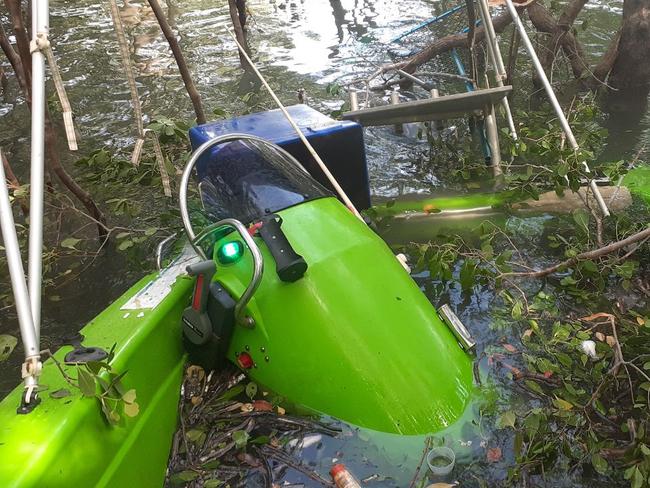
x=258 y=264
x=160 y=249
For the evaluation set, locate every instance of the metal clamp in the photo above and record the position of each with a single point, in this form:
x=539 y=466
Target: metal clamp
x=457 y=328
x=258 y=264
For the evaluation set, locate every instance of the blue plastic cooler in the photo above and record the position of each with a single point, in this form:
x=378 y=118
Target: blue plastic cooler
x=338 y=142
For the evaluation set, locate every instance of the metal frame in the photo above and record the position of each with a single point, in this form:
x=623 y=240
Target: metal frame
x=18 y=284
x=28 y=294
x=494 y=52
x=554 y=101
x=40 y=28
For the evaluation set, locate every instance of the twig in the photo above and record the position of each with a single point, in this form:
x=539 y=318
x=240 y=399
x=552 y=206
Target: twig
x=596 y=253
x=285 y=458
x=427 y=448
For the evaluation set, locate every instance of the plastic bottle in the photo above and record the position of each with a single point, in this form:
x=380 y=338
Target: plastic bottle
x=342 y=477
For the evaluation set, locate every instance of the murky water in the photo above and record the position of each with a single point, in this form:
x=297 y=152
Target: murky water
x=298 y=44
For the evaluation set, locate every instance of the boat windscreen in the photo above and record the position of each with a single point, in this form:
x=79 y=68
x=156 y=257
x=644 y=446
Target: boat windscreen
x=247 y=179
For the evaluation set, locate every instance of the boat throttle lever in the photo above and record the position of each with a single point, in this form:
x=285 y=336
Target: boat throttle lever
x=197 y=326
x=290 y=265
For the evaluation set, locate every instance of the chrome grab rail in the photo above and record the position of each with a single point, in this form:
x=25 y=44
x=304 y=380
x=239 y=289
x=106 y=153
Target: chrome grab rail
x=160 y=250
x=258 y=262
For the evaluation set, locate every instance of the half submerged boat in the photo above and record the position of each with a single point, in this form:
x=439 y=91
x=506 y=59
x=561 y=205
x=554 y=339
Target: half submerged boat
x=285 y=282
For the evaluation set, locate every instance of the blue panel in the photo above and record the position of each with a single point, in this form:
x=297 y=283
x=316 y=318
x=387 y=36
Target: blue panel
x=339 y=143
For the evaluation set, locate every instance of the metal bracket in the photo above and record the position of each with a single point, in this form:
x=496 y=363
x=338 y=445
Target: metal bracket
x=457 y=328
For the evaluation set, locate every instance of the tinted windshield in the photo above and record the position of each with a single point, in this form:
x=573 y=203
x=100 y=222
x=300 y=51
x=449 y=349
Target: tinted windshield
x=247 y=179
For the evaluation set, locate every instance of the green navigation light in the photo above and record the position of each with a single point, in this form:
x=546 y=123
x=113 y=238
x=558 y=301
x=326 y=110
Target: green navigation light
x=230 y=252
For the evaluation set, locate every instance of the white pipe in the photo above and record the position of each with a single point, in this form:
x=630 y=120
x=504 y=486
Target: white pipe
x=554 y=102
x=310 y=148
x=16 y=271
x=497 y=60
x=40 y=25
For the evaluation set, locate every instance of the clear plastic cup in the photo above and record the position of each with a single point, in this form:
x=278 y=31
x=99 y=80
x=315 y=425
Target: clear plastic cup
x=441 y=460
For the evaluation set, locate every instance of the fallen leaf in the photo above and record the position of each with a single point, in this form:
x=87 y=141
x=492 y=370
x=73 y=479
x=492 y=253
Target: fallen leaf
x=640 y=321
x=281 y=411
x=494 y=454
x=442 y=485
x=516 y=372
x=610 y=340
x=131 y=409
x=510 y=348
x=262 y=406
x=246 y=407
x=562 y=404
x=7 y=344
x=62 y=393
x=600 y=336
x=527 y=333
x=600 y=315
x=548 y=374
x=429 y=208
x=507 y=419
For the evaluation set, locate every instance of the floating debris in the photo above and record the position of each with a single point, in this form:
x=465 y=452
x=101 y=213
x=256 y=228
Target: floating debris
x=223 y=439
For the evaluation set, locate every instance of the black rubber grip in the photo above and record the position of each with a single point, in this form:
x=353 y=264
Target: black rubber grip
x=290 y=265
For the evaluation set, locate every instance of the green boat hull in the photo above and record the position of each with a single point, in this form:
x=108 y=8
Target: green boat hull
x=354 y=338
x=67 y=441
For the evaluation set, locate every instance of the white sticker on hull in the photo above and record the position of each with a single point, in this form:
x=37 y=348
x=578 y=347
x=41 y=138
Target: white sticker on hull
x=157 y=289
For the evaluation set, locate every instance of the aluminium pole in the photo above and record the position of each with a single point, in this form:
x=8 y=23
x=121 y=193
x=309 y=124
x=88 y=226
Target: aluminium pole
x=497 y=60
x=40 y=27
x=554 y=102
x=17 y=275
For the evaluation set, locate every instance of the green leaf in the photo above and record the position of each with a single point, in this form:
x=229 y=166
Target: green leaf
x=196 y=436
x=637 y=478
x=70 y=243
x=599 y=463
x=125 y=244
x=240 y=437
x=62 y=393
x=86 y=382
x=263 y=439
x=517 y=310
x=534 y=386
x=232 y=393
x=562 y=404
x=251 y=390
x=213 y=483
x=7 y=345
x=506 y=419
x=183 y=477
x=467 y=274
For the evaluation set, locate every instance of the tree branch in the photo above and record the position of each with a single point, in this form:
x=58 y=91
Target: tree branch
x=14 y=60
x=449 y=42
x=180 y=61
x=596 y=253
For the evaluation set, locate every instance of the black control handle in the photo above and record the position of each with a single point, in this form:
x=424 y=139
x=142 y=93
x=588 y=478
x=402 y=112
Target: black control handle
x=290 y=265
x=197 y=327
